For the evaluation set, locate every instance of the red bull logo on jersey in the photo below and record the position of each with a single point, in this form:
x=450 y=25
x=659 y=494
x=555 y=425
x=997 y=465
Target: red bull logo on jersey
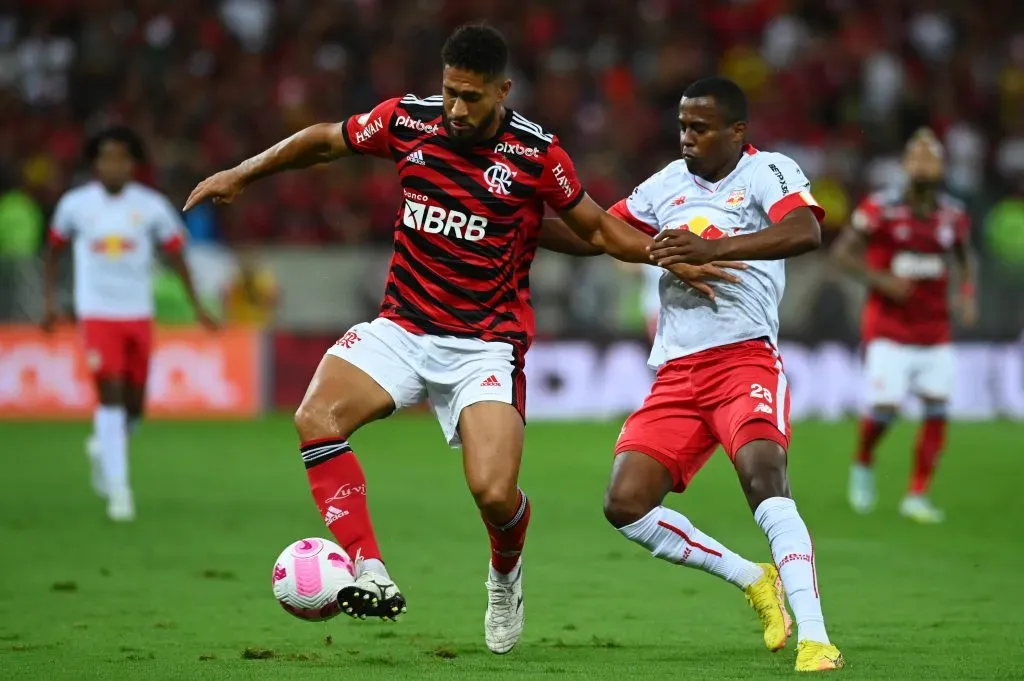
x=113 y=246
x=735 y=198
x=703 y=228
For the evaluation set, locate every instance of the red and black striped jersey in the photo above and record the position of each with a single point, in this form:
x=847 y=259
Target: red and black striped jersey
x=469 y=224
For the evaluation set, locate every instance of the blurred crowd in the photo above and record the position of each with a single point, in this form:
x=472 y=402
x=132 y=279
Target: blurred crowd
x=837 y=84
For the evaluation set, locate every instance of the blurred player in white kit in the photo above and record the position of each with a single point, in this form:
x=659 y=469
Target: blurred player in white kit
x=116 y=226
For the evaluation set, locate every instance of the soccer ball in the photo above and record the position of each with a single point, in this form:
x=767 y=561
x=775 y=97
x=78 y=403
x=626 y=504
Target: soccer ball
x=308 y=576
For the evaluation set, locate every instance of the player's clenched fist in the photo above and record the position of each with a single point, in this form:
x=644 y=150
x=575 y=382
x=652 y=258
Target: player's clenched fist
x=679 y=246
x=222 y=188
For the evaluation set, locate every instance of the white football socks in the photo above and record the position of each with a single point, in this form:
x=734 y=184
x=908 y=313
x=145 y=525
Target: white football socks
x=794 y=555
x=110 y=424
x=671 y=536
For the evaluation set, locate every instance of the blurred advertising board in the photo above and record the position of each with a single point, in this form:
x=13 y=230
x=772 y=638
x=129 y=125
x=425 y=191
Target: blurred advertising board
x=193 y=374
x=580 y=379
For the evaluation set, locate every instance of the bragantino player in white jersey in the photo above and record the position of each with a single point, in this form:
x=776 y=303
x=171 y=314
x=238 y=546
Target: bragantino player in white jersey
x=115 y=226
x=720 y=378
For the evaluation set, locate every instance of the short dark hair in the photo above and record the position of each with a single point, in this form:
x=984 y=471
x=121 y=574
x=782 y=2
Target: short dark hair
x=478 y=48
x=116 y=133
x=728 y=96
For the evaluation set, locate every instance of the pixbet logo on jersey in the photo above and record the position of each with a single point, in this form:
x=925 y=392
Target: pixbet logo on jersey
x=419 y=126
x=516 y=148
x=416 y=214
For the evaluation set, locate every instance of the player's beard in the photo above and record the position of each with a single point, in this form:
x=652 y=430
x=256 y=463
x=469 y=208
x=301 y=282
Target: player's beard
x=923 y=194
x=476 y=136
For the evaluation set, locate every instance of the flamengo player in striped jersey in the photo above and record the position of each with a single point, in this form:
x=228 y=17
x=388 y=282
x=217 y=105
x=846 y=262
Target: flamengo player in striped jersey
x=900 y=242
x=456 y=317
x=720 y=378
x=116 y=226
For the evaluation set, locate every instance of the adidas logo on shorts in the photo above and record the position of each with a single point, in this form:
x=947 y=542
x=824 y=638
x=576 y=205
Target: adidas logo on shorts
x=491 y=382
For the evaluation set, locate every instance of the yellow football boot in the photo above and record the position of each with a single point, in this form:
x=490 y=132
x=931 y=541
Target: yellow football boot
x=812 y=656
x=767 y=599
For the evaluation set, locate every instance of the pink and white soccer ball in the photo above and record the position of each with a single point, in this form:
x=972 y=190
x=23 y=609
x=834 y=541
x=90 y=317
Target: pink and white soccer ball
x=308 y=576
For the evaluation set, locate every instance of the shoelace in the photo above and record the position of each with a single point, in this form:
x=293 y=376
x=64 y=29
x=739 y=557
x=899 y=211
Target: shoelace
x=500 y=597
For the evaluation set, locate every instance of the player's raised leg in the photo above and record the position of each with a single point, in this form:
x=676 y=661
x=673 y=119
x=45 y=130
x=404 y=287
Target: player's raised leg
x=341 y=398
x=657 y=452
x=761 y=465
x=492 y=449
x=931 y=438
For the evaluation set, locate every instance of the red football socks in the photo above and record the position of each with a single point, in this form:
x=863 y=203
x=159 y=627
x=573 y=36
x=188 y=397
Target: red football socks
x=871 y=431
x=339 y=489
x=507 y=540
x=930 y=440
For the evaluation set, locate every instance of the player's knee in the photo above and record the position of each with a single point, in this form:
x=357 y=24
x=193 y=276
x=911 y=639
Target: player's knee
x=761 y=466
x=935 y=410
x=622 y=507
x=884 y=413
x=110 y=392
x=494 y=498
x=313 y=420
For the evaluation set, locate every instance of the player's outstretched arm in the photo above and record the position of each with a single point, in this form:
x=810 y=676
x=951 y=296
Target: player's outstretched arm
x=177 y=261
x=50 y=313
x=965 y=268
x=596 y=227
x=797 y=233
x=556 y=236
x=318 y=143
x=848 y=255
x=604 y=231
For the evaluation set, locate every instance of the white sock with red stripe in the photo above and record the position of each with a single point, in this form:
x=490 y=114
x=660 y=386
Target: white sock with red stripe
x=794 y=555
x=671 y=536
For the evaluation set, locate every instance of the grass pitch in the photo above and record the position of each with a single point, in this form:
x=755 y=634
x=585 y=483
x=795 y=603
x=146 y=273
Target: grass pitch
x=184 y=592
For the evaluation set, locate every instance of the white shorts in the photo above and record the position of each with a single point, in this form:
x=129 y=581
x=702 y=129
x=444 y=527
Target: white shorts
x=453 y=373
x=894 y=370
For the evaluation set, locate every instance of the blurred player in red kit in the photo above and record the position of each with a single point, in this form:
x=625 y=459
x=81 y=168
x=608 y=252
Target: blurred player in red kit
x=456 y=318
x=901 y=242
x=116 y=226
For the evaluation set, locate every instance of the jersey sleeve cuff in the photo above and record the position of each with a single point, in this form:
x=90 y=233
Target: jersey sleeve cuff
x=56 y=238
x=791 y=202
x=573 y=202
x=348 y=140
x=174 y=244
x=621 y=211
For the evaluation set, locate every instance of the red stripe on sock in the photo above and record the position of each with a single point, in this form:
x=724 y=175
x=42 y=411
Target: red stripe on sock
x=677 y=531
x=814 y=569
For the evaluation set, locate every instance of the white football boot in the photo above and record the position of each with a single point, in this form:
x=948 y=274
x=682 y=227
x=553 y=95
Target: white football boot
x=95 y=454
x=861 y=492
x=120 y=505
x=919 y=508
x=373 y=594
x=503 y=621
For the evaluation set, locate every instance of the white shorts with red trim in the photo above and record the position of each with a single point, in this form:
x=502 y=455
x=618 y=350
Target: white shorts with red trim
x=453 y=373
